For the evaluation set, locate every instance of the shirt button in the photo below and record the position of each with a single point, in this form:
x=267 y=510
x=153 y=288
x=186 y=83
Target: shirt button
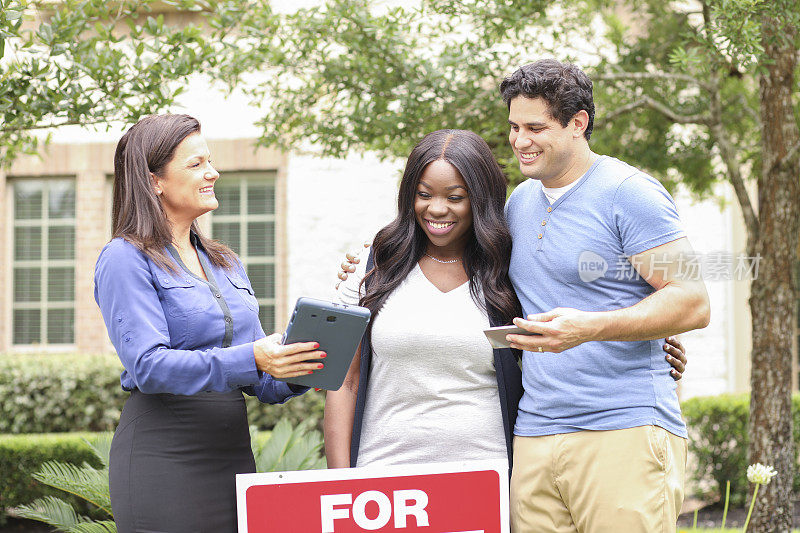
x=540 y=235
x=544 y=222
x=218 y=295
x=228 y=319
x=549 y=209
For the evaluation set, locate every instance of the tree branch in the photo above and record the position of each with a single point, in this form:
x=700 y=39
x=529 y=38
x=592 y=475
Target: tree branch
x=56 y=125
x=728 y=154
x=706 y=19
x=748 y=109
x=659 y=75
x=647 y=101
x=627 y=108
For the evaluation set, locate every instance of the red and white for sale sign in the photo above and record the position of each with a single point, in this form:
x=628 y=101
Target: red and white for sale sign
x=462 y=497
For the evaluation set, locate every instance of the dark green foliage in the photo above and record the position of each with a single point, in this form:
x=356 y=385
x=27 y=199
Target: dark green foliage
x=59 y=393
x=718 y=441
x=22 y=455
x=307 y=408
x=87 y=482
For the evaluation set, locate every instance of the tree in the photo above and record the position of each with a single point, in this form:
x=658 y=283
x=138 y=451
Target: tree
x=699 y=94
x=730 y=84
x=773 y=294
x=84 y=62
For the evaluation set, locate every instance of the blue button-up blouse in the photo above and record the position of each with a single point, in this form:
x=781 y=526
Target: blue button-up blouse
x=177 y=333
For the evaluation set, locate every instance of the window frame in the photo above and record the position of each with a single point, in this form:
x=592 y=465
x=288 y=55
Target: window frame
x=270 y=176
x=44 y=263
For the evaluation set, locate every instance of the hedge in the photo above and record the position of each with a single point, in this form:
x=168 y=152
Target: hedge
x=21 y=455
x=718 y=440
x=54 y=393
x=42 y=393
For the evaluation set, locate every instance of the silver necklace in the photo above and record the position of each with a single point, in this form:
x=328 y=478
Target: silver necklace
x=442 y=261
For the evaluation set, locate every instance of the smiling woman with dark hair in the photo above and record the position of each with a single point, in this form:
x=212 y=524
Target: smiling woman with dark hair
x=183 y=319
x=425 y=385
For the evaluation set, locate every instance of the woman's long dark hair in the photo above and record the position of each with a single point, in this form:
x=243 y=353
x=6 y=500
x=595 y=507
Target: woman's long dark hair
x=402 y=243
x=138 y=216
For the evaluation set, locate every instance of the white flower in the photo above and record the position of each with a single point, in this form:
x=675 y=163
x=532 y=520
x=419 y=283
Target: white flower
x=760 y=474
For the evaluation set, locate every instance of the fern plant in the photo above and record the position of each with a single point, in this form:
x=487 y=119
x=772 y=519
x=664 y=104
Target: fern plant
x=86 y=482
x=287 y=448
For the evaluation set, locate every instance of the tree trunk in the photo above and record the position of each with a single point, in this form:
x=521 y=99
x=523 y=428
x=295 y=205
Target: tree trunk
x=773 y=296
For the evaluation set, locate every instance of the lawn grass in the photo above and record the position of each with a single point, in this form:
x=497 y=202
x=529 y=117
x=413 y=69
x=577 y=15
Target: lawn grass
x=716 y=530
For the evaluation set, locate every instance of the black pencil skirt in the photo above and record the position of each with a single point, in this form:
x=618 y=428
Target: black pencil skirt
x=174 y=460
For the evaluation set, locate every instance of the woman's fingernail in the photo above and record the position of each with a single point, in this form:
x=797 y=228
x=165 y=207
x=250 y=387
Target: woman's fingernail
x=323 y=355
x=666 y=346
x=320 y=366
x=310 y=371
x=316 y=389
x=316 y=345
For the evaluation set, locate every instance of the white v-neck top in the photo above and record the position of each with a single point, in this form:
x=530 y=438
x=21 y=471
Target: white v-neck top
x=432 y=393
x=554 y=193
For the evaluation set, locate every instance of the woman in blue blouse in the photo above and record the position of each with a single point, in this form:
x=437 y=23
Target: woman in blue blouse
x=183 y=318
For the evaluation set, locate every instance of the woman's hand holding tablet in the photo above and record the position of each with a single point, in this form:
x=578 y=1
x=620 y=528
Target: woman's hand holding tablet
x=286 y=361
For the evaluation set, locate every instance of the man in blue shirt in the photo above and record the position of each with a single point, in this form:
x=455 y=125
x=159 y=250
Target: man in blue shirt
x=597 y=253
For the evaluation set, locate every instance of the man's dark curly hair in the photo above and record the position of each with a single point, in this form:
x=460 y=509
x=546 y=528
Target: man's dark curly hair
x=565 y=88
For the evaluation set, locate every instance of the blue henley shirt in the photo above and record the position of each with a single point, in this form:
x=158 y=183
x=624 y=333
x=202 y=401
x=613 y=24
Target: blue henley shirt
x=573 y=253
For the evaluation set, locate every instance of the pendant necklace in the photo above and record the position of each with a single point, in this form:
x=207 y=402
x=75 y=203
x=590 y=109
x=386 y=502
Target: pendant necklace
x=442 y=261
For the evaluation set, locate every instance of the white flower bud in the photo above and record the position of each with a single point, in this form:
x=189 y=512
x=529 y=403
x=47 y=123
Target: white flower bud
x=760 y=474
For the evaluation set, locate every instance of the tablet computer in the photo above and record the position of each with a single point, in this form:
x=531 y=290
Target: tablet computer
x=338 y=328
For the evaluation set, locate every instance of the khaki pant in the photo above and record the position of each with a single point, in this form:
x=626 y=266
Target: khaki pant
x=626 y=480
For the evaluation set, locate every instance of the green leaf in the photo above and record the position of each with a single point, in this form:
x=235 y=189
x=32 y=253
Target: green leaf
x=51 y=510
x=85 y=481
x=101 y=446
x=290 y=449
x=102 y=526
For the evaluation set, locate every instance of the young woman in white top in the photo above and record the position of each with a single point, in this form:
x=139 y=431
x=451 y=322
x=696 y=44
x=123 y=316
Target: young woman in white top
x=431 y=388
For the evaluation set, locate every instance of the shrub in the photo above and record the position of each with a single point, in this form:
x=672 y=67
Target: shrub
x=22 y=455
x=718 y=439
x=58 y=393
x=307 y=408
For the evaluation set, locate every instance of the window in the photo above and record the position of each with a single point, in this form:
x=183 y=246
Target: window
x=43 y=308
x=245 y=221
